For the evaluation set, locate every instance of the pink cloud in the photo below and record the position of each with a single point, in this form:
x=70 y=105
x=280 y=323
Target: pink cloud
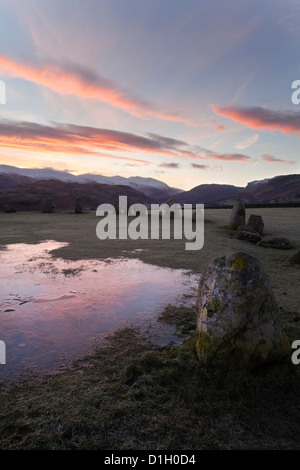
x=271 y=159
x=261 y=118
x=233 y=157
x=85 y=140
x=219 y=127
x=199 y=167
x=71 y=79
x=226 y=156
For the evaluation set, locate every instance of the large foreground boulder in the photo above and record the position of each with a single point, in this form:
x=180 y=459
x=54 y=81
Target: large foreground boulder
x=238 y=214
x=239 y=322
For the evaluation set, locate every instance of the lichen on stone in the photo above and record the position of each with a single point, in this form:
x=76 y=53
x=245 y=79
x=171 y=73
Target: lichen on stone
x=239 y=321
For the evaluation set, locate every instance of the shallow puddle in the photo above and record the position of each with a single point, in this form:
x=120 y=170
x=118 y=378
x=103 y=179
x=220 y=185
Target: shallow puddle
x=52 y=310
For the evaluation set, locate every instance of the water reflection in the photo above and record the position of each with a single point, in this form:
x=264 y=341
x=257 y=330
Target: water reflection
x=51 y=310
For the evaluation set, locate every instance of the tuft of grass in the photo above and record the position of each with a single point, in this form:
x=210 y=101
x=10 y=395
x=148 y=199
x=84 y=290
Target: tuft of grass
x=183 y=318
x=71 y=271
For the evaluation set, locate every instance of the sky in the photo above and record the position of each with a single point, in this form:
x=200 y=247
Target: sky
x=189 y=92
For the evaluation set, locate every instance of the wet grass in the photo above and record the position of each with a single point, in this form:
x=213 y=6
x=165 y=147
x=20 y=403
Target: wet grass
x=79 y=231
x=71 y=271
x=132 y=394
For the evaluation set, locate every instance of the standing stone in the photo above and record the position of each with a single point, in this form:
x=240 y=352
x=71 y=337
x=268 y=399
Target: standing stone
x=172 y=201
x=255 y=223
x=238 y=214
x=239 y=322
x=78 y=205
x=48 y=205
x=9 y=209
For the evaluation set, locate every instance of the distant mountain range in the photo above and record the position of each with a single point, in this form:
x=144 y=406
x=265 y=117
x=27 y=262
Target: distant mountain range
x=25 y=189
x=278 y=190
x=11 y=176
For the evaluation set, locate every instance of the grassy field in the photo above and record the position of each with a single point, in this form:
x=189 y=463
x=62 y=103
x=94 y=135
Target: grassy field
x=131 y=394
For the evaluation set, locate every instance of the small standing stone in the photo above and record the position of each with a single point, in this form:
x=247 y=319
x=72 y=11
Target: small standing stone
x=48 y=205
x=172 y=201
x=9 y=209
x=78 y=205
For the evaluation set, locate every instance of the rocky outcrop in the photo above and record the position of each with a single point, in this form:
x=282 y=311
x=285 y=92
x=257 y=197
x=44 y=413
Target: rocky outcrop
x=239 y=322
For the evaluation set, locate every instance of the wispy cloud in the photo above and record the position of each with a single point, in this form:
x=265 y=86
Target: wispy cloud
x=286 y=122
x=199 y=167
x=230 y=157
x=170 y=165
x=247 y=142
x=73 y=79
x=270 y=158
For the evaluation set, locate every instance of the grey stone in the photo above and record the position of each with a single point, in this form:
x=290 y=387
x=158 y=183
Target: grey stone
x=238 y=214
x=238 y=320
x=78 y=205
x=255 y=223
x=249 y=235
x=270 y=241
x=172 y=201
x=48 y=204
